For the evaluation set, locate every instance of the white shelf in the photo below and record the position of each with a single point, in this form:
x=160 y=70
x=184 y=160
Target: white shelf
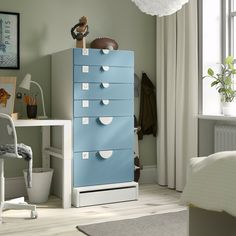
x=216 y=117
x=37 y=122
x=54 y=152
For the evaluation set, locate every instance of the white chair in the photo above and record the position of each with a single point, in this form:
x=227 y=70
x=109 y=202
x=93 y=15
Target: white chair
x=8 y=137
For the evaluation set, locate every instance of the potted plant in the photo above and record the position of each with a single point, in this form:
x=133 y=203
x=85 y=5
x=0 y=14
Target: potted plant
x=224 y=84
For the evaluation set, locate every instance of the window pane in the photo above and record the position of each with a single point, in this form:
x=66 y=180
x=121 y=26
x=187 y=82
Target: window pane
x=233 y=5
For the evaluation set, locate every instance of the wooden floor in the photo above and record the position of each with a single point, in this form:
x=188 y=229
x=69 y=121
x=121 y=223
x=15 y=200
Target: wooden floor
x=53 y=220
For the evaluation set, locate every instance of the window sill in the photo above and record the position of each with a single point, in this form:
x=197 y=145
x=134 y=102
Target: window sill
x=216 y=117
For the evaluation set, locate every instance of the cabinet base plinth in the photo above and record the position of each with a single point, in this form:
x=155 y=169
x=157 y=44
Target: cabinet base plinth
x=102 y=194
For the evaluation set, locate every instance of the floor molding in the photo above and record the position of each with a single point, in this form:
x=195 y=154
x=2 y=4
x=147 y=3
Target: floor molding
x=15 y=187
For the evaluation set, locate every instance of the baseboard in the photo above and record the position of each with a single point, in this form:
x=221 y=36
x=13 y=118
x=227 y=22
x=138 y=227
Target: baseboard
x=15 y=187
x=148 y=175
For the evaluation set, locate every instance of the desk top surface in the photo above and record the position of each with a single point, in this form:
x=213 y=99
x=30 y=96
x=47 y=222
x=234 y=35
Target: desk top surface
x=37 y=122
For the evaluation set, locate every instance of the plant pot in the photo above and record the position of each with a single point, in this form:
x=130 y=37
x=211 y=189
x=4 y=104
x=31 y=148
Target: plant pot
x=31 y=111
x=228 y=108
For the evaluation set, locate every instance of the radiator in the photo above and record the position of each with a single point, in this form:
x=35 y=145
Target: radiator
x=225 y=138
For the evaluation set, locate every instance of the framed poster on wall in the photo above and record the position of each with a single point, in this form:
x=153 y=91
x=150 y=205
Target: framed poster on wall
x=7 y=94
x=9 y=40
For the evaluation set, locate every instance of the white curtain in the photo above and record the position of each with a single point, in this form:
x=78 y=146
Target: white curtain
x=177 y=94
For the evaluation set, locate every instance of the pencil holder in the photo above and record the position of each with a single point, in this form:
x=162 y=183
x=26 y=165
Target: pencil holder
x=31 y=111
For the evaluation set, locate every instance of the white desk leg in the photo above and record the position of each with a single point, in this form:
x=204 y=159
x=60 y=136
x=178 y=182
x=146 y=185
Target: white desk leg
x=45 y=144
x=67 y=159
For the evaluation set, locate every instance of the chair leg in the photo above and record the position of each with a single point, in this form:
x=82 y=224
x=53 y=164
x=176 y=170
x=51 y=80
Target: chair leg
x=2 y=181
x=14 y=204
x=16 y=200
x=2 y=188
x=9 y=205
x=18 y=206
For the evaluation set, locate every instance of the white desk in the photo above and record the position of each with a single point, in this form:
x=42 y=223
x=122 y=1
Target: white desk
x=65 y=153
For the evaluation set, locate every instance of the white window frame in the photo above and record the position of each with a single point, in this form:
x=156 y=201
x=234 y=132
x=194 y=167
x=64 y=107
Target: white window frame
x=229 y=36
x=230 y=14
x=226 y=29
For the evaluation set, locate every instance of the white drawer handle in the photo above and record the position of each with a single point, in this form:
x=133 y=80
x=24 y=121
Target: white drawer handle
x=85 y=51
x=85 y=69
x=105 y=68
x=105 y=102
x=105 y=85
x=105 y=154
x=106 y=120
x=105 y=51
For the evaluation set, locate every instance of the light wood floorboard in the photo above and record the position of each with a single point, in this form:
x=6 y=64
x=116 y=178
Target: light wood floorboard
x=53 y=220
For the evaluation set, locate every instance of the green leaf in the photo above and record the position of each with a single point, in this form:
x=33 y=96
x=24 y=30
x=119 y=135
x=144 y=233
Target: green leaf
x=228 y=81
x=214 y=83
x=231 y=66
x=210 y=72
x=221 y=90
x=229 y=60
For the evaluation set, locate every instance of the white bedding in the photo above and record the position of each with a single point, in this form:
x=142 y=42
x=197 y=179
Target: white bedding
x=211 y=182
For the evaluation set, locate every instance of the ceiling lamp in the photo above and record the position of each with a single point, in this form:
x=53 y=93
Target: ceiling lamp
x=159 y=7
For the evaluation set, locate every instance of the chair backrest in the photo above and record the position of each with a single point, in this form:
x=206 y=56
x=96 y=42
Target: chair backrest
x=8 y=131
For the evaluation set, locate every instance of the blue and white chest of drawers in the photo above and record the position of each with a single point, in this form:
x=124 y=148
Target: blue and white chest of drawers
x=94 y=88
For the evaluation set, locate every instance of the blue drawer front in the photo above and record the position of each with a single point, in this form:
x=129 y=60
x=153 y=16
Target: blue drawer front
x=98 y=108
x=97 y=170
x=97 y=91
x=97 y=57
x=97 y=136
x=98 y=74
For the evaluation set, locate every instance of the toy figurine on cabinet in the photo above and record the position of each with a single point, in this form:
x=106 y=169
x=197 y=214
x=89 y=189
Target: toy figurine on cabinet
x=80 y=31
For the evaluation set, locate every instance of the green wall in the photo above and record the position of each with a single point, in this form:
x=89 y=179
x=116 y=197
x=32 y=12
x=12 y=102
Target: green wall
x=45 y=28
